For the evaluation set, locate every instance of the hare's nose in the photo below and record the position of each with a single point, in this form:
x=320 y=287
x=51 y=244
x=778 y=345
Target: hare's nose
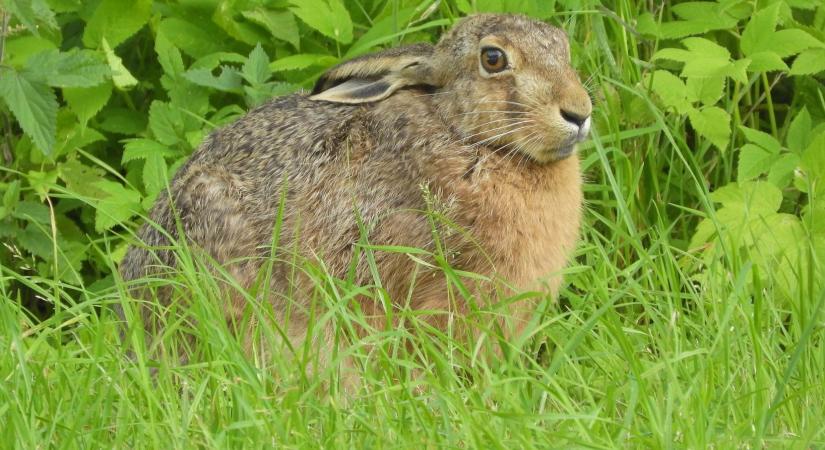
x=574 y=118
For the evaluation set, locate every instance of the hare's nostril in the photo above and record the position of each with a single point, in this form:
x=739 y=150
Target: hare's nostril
x=575 y=119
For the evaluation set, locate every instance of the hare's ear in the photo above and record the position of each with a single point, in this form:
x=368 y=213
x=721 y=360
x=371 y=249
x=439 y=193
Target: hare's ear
x=371 y=78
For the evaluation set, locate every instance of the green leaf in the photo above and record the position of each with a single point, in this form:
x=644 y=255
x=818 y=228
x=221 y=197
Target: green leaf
x=281 y=24
x=229 y=80
x=753 y=162
x=782 y=171
x=119 y=204
x=762 y=139
x=32 y=212
x=86 y=102
x=122 y=121
x=115 y=21
x=30 y=13
x=169 y=56
x=759 y=30
x=166 y=123
x=792 y=41
x=256 y=69
x=302 y=61
x=755 y=196
x=671 y=89
x=706 y=48
x=713 y=123
x=155 y=174
x=21 y=48
x=328 y=17
x=809 y=62
x=76 y=68
x=766 y=62
x=33 y=104
x=196 y=41
x=145 y=148
x=799 y=133
x=706 y=90
x=121 y=76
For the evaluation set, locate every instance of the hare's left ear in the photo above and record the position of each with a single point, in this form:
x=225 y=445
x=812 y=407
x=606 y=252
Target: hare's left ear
x=374 y=77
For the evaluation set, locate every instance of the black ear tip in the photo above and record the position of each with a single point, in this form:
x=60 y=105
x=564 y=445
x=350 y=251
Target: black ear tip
x=320 y=85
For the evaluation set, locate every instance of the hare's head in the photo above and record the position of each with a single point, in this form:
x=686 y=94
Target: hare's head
x=500 y=80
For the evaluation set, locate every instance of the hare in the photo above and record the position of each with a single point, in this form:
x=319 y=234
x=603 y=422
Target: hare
x=482 y=126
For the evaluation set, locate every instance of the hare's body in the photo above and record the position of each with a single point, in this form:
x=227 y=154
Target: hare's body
x=337 y=162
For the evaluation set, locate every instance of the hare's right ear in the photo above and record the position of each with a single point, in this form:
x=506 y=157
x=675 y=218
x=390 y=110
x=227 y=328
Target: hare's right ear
x=371 y=78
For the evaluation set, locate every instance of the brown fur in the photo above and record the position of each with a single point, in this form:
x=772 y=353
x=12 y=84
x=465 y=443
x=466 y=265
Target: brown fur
x=517 y=195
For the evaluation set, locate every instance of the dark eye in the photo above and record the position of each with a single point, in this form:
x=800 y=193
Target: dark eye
x=493 y=59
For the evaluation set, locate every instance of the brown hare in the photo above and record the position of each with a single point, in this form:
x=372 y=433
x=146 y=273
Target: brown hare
x=483 y=125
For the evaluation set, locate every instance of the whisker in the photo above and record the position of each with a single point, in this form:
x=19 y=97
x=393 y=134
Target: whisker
x=497 y=128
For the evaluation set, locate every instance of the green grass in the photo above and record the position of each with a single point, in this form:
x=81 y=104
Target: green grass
x=650 y=344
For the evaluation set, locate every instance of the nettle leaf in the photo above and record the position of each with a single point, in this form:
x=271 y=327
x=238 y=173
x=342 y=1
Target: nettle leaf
x=766 y=62
x=754 y=196
x=754 y=161
x=80 y=178
x=713 y=123
x=281 y=24
x=166 y=123
x=705 y=59
x=30 y=13
x=809 y=62
x=328 y=17
x=302 y=61
x=230 y=80
x=154 y=176
x=196 y=41
x=169 y=56
x=115 y=21
x=145 y=148
x=19 y=49
x=33 y=104
x=762 y=139
x=759 y=36
x=813 y=168
x=121 y=76
x=707 y=90
x=75 y=68
x=781 y=172
x=86 y=102
x=671 y=89
x=256 y=69
x=119 y=204
x=799 y=133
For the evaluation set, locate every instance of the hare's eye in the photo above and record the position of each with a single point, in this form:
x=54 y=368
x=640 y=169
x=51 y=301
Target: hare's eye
x=493 y=59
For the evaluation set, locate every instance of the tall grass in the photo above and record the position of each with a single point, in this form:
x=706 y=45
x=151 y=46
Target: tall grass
x=639 y=350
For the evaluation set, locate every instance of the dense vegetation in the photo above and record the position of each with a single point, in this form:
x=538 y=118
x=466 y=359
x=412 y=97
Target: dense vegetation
x=693 y=311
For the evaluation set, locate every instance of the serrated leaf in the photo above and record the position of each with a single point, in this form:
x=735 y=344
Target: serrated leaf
x=121 y=76
x=196 y=41
x=302 y=61
x=122 y=121
x=230 y=80
x=756 y=196
x=169 y=56
x=115 y=21
x=713 y=123
x=766 y=62
x=671 y=89
x=86 y=102
x=154 y=174
x=119 y=204
x=759 y=30
x=706 y=48
x=166 y=123
x=782 y=171
x=707 y=90
x=80 y=178
x=30 y=13
x=256 y=69
x=33 y=104
x=20 y=49
x=281 y=24
x=753 y=162
x=145 y=148
x=809 y=62
x=32 y=212
x=792 y=41
x=762 y=139
x=329 y=18
x=799 y=133
x=75 y=68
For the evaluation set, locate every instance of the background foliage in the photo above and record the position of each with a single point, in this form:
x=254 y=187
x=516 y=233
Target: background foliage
x=705 y=229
